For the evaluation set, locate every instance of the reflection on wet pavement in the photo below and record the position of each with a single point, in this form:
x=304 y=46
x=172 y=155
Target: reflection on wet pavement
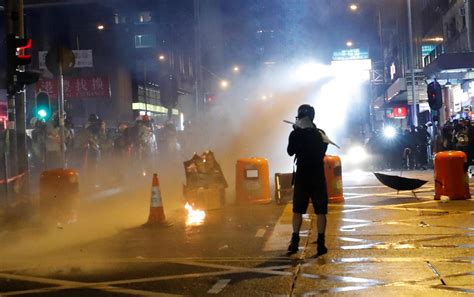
x=394 y=247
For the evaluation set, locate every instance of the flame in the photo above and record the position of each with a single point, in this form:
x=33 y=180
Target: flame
x=195 y=216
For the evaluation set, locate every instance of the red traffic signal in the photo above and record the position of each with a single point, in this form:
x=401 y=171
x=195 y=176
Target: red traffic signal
x=210 y=98
x=435 y=95
x=17 y=58
x=17 y=50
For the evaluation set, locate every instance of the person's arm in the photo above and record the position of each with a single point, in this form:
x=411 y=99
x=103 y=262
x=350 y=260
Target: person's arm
x=324 y=145
x=291 y=149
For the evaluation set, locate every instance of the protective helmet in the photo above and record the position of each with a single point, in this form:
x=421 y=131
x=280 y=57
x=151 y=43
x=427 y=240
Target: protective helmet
x=33 y=121
x=306 y=110
x=93 y=117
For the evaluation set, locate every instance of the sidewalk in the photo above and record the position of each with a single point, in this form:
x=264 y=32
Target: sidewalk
x=381 y=244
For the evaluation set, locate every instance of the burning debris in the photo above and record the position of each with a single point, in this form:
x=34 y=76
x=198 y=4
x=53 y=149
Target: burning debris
x=195 y=216
x=205 y=182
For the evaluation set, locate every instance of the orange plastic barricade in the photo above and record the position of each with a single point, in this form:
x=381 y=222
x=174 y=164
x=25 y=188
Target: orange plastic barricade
x=252 y=184
x=59 y=194
x=451 y=177
x=333 y=172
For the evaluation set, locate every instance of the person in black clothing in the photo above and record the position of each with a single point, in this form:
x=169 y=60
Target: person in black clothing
x=422 y=138
x=306 y=143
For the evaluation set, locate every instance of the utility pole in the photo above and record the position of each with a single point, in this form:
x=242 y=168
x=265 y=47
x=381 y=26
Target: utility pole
x=197 y=55
x=412 y=62
x=468 y=15
x=16 y=103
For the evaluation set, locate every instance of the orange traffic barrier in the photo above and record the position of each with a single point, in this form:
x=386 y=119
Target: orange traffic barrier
x=252 y=183
x=333 y=173
x=157 y=213
x=59 y=195
x=451 y=177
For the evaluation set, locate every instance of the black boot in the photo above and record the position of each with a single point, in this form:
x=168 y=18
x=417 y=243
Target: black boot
x=293 y=247
x=321 y=249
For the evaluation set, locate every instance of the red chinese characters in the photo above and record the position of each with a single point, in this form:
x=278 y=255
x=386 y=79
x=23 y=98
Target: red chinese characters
x=76 y=87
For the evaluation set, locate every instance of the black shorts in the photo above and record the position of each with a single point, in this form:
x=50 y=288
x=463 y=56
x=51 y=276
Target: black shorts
x=310 y=186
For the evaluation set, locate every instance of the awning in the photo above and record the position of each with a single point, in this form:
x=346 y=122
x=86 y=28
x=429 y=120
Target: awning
x=399 y=86
x=400 y=91
x=397 y=101
x=454 y=62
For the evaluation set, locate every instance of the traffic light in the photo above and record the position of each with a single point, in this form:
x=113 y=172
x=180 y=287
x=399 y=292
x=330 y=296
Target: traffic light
x=17 y=59
x=210 y=98
x=43 y=107
x=435 y=95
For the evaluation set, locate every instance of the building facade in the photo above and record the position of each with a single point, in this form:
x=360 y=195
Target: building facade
x=452 y=61
x=142 y=54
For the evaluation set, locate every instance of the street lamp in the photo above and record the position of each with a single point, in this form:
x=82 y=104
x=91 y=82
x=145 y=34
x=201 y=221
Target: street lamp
x=100 y=27
x=353 y=7
x=161 y=57
x=236 y=69
x=224 y=84
x=349 y=43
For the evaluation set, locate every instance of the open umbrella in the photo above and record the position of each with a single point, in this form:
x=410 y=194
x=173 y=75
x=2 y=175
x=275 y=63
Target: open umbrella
x=400 y=183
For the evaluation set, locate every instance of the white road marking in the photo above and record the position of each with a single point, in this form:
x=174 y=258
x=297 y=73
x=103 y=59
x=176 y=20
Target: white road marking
x=219 y=286
x=260 y=232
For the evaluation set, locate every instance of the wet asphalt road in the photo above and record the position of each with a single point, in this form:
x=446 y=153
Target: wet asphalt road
x=380 y=243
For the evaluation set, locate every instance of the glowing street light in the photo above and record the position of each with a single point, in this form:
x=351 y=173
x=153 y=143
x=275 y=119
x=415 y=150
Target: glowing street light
x=224 y=84
x=161 y=57
x=389 y=132
x=353 y=7
x=100 y=27
x=349 y=43
x=236 y=69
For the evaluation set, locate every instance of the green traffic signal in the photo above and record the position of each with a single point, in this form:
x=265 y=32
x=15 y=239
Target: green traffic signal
x=42 y=113
x=43 y=107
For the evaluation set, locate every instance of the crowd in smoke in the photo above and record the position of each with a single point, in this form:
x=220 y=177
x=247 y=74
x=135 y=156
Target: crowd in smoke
x=458 y=135
x=406 y=149
x=414 y=148
x=95 y=146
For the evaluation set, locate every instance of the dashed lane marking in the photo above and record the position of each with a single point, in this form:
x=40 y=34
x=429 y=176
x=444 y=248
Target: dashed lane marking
x=381 y=206
x=219 y=286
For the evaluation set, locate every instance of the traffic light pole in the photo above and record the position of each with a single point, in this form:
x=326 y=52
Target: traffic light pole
x=61 y=114
x=197 y=56
x=10 y=144
x=16 y=103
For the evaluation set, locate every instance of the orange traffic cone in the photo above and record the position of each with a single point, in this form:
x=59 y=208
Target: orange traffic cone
x=157 y=213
